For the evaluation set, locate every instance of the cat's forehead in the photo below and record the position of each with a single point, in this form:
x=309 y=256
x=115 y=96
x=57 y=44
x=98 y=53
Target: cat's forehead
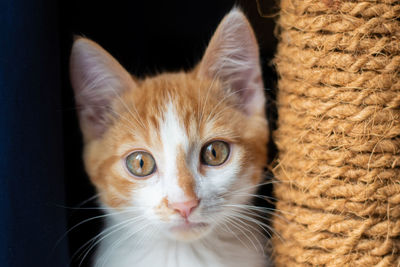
x=176 y=102
x=184 y=90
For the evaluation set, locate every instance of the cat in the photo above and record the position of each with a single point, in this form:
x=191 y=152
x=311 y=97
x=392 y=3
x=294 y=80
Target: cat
x=176 y=158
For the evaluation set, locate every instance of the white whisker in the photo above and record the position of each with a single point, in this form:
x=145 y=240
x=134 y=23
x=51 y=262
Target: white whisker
x=105 y=233
x=261 y=224
x=234 y=224
x=115 y=244
x=85 y=221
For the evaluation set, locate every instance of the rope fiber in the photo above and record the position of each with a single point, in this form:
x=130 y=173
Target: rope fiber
x=338 y=134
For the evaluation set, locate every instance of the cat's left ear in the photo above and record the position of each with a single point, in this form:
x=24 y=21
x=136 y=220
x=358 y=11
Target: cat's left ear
x=232 y=57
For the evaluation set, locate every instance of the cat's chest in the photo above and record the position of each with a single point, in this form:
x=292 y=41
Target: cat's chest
x=165 y=253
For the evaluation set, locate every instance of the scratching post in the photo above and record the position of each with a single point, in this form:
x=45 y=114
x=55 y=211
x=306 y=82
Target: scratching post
x=338 y=134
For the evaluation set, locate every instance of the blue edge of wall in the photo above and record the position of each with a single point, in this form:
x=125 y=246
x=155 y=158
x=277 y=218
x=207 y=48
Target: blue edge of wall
x=32 y=218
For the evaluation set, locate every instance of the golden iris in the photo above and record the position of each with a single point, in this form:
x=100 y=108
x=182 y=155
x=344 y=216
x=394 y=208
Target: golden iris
x=140 y=163
x=215 y=153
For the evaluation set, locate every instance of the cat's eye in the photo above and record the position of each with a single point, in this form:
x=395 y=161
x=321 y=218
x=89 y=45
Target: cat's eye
x=140 y=163
x=215 y=153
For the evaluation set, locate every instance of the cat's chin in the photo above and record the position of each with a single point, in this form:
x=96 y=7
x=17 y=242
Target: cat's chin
x=189 y=231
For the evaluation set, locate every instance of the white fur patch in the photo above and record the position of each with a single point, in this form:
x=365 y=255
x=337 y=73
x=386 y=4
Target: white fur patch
x=173 y=137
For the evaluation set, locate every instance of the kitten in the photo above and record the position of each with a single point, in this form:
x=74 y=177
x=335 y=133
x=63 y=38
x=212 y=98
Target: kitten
x=176 y=157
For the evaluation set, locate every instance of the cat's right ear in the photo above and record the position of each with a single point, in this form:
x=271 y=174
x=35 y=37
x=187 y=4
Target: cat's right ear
x=97 y=79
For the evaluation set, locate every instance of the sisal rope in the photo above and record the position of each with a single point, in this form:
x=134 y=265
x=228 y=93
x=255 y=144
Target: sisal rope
x=338 y=134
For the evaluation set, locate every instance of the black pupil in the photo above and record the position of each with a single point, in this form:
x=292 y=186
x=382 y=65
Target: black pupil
x=141 y=163
x=214 y=152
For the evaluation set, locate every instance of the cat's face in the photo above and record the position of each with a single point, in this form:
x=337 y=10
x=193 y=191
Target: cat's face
x=174 y=152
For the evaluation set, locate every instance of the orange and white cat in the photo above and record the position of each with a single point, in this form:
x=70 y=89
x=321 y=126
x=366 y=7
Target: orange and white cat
x=176 y=158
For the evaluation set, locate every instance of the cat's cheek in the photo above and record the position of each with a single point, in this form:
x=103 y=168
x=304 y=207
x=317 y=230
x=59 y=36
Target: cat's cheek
x=112 y=184
x=230 y=185
x=149 y=198
x=220 y=180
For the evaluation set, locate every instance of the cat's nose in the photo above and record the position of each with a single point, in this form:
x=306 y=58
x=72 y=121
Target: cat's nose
x=185 y=208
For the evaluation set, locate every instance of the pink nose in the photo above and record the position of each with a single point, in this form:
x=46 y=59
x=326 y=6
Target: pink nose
x=185 y=208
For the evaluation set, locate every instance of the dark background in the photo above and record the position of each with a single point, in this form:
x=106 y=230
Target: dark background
x=146 y=37
x=43 y=186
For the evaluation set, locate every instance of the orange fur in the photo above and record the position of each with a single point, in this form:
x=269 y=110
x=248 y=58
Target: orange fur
x=185 y=177
x=149 y=98
x=163 y=209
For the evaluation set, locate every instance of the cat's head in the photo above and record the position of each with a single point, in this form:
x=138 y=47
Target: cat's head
x=175 y=152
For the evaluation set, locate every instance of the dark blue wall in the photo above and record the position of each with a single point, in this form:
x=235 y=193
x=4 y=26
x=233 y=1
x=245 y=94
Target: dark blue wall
x=31 y=169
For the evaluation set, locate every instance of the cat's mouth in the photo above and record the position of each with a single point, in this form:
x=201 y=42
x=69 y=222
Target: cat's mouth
x=189 y=231
x=189 y=226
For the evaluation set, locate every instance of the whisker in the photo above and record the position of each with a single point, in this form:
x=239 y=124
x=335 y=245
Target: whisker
x=250 y=187
x=262 y=197
x=244 y=224
x=126 y=223
x=249 y=210
x=261 y=224
x=85 y=221
x=234 y=234
x=261 y=209
x=252 y=214
x=148 y=237
x=143 y=238
x=115 y=244
x=88 y=200
x=232 y=222
x=108 y=231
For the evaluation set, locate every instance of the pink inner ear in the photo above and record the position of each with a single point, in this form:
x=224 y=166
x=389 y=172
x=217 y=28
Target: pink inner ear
x=232 y=56
x=97 y=79
x=240 y=83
